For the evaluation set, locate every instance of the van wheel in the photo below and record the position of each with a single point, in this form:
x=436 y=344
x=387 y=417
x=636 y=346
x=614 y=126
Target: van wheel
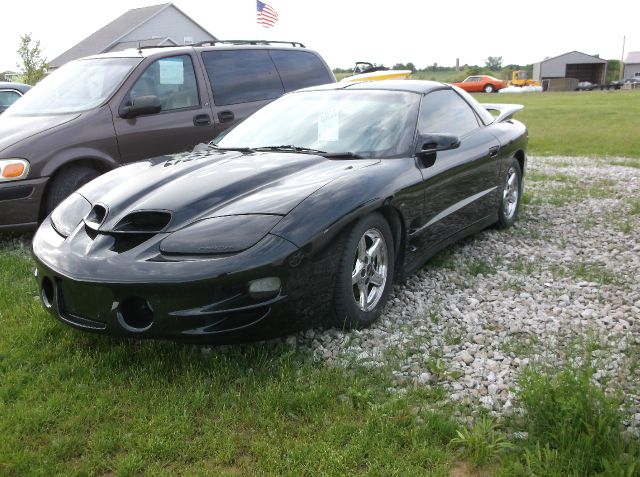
x=65 y=182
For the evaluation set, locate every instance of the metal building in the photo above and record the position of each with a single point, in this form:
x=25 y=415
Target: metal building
x=572 y=65
x=632 y=65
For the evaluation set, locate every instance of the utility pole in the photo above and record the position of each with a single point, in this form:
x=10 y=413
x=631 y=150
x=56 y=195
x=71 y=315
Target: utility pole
x=624 y=39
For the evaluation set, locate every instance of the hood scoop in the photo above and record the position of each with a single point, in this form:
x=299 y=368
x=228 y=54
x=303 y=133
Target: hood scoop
x=144 y=222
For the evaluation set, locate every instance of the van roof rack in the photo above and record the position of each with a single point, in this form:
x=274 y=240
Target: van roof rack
x=248 y=42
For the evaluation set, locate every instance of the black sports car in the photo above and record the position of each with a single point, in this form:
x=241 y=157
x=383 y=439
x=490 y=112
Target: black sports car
x=304 y=214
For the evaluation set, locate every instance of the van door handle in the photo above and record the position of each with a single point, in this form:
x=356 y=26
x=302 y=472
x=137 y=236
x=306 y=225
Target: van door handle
x=201 y=120
x=226 y=116
x=493 y=151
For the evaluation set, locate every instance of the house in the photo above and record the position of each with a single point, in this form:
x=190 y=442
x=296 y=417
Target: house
x=574 y=64
x=157 y=25
x=632 y=65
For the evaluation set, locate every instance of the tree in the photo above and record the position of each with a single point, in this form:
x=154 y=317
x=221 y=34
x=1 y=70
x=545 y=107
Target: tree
x=32 y=66
x=411 y=66
x=494 y=63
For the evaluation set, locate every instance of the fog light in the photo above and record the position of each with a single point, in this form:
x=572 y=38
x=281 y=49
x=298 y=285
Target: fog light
x=263 y=287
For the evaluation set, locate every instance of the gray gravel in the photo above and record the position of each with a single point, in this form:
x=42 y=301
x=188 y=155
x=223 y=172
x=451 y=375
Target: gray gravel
x=565 y=277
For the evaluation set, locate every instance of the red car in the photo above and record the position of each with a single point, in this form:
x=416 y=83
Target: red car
x=480 y=83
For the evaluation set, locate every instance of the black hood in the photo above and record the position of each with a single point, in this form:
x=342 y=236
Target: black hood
x=211 y=184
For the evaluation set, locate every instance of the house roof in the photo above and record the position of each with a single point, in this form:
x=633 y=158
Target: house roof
x=595 y=58
x=108 y=36
x=124 y=45
x=633 y=57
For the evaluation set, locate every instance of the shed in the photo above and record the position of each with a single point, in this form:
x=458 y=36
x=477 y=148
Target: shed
x=574 y=64
x=156 y=25
x=632 y=65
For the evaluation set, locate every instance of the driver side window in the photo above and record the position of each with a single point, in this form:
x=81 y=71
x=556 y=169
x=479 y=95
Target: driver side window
x=172 y=80
x=445 y=112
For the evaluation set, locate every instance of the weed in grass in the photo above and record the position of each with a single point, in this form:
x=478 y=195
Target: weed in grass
x=444 y=259
x=635 y=163
x=626 y=227
x=480 y=267
x=481 y=443
x=634 y=206
x=573 y=427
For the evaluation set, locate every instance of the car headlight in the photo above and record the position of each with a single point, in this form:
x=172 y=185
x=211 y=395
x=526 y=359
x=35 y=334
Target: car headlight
x=219 y=235
x=13 y=169
x=66 y=217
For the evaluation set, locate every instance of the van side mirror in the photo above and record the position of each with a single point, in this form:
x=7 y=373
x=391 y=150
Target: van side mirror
x=141 y=105
x=430 y=143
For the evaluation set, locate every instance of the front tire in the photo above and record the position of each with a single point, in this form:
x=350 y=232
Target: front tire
x=511 y=194
x=67 y=181
x=365 y=273
x=488 y=88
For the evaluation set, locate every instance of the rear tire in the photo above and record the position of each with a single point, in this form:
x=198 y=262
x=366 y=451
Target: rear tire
x=67 y=181
x=488 y=88
x=511 y=194
x=365 y=273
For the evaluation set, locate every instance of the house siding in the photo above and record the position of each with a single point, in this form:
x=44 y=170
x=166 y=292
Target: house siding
x=168 y=23
x=631 y=71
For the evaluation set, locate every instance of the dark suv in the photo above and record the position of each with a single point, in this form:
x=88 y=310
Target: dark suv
x=96 y=113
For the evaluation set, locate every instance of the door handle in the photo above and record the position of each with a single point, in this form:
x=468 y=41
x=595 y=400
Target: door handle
x=201 y=120
x=226 y=116
x=493 y=151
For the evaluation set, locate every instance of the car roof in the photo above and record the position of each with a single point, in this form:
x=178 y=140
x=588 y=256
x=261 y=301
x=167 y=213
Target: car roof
x=23 y=88
x=151 y=51
x=412 y=86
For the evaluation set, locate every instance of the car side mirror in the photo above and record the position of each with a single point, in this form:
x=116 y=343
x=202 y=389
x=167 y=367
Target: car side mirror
x=141 y=105
x=430 y=143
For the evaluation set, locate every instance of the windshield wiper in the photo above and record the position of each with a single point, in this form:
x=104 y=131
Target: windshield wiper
x=290 y=148
x=307 y=150
x=239 y=149
x=342 y=155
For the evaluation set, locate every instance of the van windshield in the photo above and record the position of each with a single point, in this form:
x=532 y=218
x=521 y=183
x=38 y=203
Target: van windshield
x=77 y=86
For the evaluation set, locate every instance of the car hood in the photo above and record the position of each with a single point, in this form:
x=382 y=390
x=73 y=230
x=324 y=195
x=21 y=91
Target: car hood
x=14 y=129
x=212 y=184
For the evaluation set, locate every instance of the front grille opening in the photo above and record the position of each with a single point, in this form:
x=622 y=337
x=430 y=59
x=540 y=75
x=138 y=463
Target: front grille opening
x=146 y=221
x=47 y=292
x=125 y=242
x=135 y=313
x=97 y=215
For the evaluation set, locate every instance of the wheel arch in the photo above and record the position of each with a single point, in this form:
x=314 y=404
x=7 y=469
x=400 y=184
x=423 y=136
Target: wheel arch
x=101 y=165
x=521 y=158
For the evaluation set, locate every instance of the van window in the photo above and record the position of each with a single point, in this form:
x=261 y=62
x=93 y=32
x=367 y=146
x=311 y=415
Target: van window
x=299 y=69
x=240 y=76
x=172 y=80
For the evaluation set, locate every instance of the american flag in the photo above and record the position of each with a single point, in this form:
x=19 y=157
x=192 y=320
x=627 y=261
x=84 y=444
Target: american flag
x=267 y=16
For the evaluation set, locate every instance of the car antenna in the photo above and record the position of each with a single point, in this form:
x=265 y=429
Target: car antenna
x=139 y=48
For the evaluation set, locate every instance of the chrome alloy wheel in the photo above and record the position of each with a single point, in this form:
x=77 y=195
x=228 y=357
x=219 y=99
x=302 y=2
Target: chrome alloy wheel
x=370 y=269
x=510 y=193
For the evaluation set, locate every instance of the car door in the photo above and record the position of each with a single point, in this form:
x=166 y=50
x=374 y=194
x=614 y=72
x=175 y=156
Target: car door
x=460 y=185
x=184 y=120
x=242 y=81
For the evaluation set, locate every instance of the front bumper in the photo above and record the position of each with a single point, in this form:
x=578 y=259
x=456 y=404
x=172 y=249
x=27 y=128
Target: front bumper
x=20 y=204
x=138 y=294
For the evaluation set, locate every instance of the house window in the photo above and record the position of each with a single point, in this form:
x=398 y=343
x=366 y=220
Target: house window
x=637 y=74
x=188 y=40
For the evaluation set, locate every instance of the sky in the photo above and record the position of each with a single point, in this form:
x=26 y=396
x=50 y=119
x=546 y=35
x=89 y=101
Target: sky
x=345 y=31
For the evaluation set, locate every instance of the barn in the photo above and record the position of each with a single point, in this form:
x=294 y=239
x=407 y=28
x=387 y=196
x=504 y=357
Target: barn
x=632 y=65
x=156 y=25
x=574 y=64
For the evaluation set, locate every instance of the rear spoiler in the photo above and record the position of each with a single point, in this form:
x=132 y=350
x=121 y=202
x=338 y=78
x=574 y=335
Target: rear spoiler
x=505 y=111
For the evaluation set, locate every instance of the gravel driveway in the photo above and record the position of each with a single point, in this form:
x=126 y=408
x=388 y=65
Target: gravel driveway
x=564 y=279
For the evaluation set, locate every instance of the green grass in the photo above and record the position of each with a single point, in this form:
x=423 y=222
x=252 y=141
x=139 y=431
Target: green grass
x=573 y=428
x=592 y=123
x=77 y=404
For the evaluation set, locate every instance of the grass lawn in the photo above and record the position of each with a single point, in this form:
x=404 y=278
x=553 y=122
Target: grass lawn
x=586 y=123
x=77 y=404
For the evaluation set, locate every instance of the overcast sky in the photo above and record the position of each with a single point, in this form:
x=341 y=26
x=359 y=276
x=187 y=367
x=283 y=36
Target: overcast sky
x=346 y=31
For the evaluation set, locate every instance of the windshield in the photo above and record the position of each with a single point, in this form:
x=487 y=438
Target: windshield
x=369 y=123
x=77 y=86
